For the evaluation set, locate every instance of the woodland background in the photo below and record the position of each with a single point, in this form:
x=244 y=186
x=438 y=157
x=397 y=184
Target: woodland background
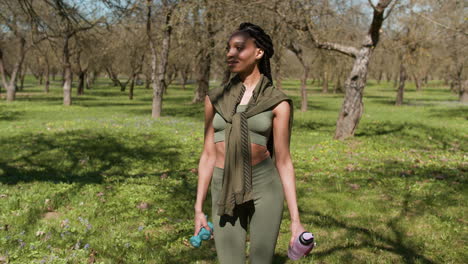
x=101 y=126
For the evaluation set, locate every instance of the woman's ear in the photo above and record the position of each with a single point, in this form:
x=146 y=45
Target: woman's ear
x=260 y=54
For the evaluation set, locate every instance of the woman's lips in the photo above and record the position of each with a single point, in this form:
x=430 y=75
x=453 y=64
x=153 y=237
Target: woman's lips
x=232 y=63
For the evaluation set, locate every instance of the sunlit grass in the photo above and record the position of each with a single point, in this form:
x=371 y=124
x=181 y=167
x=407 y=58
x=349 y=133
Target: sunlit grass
x=102 y=181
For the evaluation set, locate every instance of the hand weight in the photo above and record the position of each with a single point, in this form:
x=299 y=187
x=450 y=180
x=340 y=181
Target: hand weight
x=202 y=235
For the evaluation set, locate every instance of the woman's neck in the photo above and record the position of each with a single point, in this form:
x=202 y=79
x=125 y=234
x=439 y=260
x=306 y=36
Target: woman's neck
x=250 y=79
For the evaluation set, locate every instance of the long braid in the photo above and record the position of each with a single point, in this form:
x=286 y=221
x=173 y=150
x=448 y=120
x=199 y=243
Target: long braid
x=263 y=41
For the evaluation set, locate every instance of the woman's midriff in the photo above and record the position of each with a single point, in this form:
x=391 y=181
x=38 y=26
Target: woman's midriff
x=258 y=154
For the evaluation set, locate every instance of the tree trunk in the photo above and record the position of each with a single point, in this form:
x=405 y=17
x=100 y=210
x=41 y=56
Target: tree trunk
x=203 y=78
x=22 y=76
x=417 y=81
x=147 y=81
x=278 y=79
x=464 y=92
x=401 y=87
x=325 y=82
x=10 y=85
x=132 y=86
x=67 y=74
x=339 y=86
x=81 y=82
x=379 y=77
x=47 y=82
x=352 y=108
x=184 y=77
x=395 y=81
x=159 y=72
x=205 y=62
x=304 y=88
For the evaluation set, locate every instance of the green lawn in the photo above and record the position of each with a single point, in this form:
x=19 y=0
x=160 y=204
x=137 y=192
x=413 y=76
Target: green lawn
x=102 y=181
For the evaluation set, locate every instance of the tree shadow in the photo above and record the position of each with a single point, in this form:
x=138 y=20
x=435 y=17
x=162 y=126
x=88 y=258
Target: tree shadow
x=396 y=242
x=81 y=156
x=312 y=125
x=7 y=114
x=416 y=135
x=458 y=112
x=370 y=129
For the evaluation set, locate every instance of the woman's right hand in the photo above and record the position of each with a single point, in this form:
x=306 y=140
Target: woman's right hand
x=200 y=221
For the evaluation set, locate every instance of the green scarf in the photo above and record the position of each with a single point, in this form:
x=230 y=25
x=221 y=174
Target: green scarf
x=237 y=178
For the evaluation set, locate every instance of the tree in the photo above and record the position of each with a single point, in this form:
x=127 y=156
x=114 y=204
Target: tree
x=158 y=72
x=352 y=107
x=18 y=25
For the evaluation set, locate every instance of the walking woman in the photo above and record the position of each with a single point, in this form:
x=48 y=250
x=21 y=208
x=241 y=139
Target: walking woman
x=246 y=154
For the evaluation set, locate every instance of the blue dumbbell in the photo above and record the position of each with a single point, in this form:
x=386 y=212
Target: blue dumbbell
x=202 y=235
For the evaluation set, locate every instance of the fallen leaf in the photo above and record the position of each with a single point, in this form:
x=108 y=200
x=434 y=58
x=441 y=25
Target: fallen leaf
x=143 y=206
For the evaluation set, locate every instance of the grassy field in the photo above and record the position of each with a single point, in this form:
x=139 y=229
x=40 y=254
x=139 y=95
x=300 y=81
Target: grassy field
x=102 y=182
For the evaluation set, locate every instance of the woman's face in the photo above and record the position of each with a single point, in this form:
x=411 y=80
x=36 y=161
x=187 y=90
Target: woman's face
x=242 y=53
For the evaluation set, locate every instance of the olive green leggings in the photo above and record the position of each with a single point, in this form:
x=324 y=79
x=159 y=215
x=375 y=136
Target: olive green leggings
x=263 y=215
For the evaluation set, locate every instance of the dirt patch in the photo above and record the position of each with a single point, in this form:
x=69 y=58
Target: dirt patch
x=51 y=215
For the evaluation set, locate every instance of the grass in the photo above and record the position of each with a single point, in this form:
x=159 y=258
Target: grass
x=102 y=182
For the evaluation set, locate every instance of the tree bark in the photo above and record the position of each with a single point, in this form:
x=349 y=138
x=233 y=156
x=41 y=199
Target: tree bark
x=352 y=108
x=10 y=85
x=204 y=69
x=464 y=92
x=132 y=86
x=67 y=73
x=401 y=86
x=379 y=76
x=47 y=70
x=304 y=88
x=159 y=70
x=417 y=81
x=81 y=82
x=203 y=79
x=325 y=82
x=296 y=49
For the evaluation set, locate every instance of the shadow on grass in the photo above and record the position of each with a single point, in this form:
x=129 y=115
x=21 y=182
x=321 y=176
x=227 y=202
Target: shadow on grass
x=83 y=156
x=395 y=242
x=416 y=135
x=7 y=114
x=460 y=112
x=442 y=185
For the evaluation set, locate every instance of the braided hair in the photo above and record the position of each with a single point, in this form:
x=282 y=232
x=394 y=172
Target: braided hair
x=263 y=41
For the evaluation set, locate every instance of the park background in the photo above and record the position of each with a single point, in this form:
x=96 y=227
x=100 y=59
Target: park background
x=101 y=126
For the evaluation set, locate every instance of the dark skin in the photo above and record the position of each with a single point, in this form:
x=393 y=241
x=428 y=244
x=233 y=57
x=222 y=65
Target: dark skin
x=243 y=57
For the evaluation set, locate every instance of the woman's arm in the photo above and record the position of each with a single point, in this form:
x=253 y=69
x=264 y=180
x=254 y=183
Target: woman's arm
x=205 y=166
x=284 y=164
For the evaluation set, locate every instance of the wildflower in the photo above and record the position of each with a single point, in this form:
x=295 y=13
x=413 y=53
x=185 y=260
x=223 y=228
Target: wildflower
x=86 y=246
x=140 y=228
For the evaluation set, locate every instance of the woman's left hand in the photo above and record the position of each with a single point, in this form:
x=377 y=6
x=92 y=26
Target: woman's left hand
x=296 y=230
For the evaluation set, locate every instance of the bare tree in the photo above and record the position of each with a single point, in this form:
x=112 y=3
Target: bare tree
x=297 y=50
x=17 y=24
x=352 y=107
x=159 y=69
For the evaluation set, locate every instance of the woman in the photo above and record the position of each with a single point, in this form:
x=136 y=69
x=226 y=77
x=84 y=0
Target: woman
x=246 y=154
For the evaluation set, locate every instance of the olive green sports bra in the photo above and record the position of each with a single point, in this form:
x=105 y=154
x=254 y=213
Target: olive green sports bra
x=259 y=126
